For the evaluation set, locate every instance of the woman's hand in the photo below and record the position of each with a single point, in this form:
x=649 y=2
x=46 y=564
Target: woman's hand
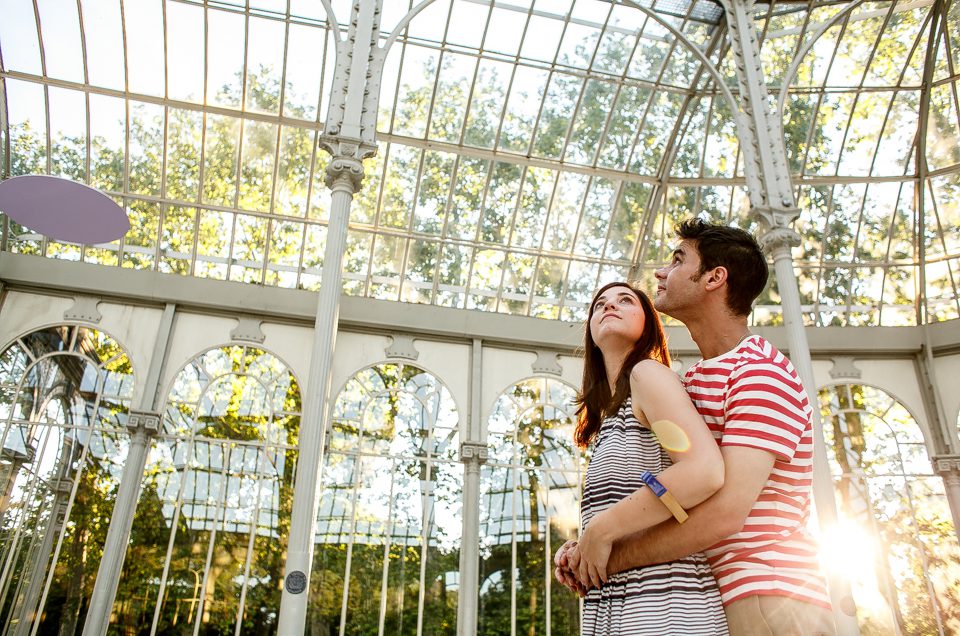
x=565 y=560
x=594 y=551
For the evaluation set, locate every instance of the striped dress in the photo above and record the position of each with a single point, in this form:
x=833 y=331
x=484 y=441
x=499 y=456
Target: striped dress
x=672 y=598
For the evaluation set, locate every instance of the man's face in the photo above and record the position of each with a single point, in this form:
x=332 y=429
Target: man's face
x=678 y=288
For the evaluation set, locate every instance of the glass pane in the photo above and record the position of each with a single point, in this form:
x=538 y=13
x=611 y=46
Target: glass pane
x=185 y=51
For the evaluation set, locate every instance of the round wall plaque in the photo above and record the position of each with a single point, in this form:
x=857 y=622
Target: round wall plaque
x=296 y=582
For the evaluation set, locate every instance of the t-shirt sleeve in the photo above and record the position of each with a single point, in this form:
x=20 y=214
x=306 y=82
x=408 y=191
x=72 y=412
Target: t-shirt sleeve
x=766 y=408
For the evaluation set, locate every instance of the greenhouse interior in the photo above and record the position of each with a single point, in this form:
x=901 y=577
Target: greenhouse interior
x=325 y=382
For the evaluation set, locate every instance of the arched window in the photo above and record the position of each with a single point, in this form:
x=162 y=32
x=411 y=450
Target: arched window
x=529 y=505
x=64 y=396
x=208 y=542
x=389 y=521
x=895 y=538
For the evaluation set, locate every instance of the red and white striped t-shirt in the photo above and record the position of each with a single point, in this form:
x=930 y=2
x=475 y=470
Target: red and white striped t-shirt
x=752 y=397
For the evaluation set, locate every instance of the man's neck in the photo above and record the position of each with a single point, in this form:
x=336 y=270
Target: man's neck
x=717 y=336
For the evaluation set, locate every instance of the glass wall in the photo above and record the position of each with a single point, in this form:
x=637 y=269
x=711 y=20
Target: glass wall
x=64 y=396
x=529 y=505
x=208 y=544
x=387 y=551
x=895 y=538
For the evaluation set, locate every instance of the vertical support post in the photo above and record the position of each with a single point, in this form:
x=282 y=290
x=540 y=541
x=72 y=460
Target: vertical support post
x=473 y=454
x=777 y=242
x=948 y=467
x=344 y=175
x=142 y=424
x=349 y=141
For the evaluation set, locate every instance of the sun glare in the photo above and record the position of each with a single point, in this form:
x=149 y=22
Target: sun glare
x=849 y=550
x=671 y=436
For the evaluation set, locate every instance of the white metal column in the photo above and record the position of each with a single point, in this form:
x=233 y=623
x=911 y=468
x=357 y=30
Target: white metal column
x=772 y=202
x=143 y=424
x=473 y=454
x=349 y=138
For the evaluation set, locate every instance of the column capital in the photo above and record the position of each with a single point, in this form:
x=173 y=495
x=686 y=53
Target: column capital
x=345 y=171
x=473 y=452
x=948 y=467
x=779 y=238
x=147 y=422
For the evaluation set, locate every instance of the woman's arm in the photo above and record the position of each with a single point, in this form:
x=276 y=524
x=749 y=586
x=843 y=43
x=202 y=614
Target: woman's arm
x=697 y=471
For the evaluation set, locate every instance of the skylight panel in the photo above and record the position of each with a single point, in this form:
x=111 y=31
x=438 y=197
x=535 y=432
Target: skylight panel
x=145 y=51
x=185 y=50
x=107 y=126
x=68 y=133
x=543 y=39
x=103 y=38
x=505 y=32
x=19 y=39
x=60 y=30
x=265 y=52
x=306 y=48
x=522 y=106
x=466 y=26
x=226 y=34
x=450 y=105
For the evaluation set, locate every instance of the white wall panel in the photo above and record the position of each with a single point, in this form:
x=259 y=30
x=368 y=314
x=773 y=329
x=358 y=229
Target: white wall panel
x=451 y=363
x=502 y=368
x=291 y=344
x=192 y=335
x=135 y=328
x=947 y=370
x=354 y=351
x=25 y=312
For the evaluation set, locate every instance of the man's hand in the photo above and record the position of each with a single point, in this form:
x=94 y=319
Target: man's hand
x=565 y=560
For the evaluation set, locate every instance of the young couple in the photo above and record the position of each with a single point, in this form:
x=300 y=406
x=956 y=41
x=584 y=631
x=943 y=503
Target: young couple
x=731 y=444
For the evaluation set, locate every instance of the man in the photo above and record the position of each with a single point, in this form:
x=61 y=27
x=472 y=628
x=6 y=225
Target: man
x=753 y=530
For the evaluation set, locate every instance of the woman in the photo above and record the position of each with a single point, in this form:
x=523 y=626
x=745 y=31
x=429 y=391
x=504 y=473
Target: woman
x=629 y=389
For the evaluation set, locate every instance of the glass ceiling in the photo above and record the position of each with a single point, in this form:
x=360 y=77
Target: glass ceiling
x=529 y=150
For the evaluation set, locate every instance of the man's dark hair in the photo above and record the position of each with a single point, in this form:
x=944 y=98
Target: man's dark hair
x=737 y=251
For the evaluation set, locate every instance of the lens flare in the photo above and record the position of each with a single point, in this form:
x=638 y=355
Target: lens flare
x=671 y=436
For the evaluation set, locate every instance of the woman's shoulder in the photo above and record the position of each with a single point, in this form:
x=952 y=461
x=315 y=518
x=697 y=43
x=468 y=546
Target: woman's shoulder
x=652 y=370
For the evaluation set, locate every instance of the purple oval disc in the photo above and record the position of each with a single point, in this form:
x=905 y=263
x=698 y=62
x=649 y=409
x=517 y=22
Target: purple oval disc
x=63 y=209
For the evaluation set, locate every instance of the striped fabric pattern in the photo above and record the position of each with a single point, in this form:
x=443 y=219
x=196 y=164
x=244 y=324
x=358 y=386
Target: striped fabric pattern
x=753 y=397
x=673 y=598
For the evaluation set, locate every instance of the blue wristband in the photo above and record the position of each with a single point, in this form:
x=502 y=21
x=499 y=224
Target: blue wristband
x=653 y=483
x=666 y=498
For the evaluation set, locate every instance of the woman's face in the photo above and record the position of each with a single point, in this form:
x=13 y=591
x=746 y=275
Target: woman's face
x=616 y=317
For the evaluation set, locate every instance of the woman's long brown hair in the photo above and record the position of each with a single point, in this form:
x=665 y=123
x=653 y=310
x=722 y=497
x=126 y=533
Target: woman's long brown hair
x=594 y=402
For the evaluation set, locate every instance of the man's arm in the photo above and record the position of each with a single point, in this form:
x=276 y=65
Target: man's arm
x=746 y=471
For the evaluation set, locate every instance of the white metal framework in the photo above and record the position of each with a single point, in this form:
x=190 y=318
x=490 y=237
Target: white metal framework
x=482 y=165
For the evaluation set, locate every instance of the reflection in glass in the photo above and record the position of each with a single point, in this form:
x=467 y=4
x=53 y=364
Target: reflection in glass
x=529 y=505
x=389 y=522
x=895 y=533
x=64 y=395
x=208 y=543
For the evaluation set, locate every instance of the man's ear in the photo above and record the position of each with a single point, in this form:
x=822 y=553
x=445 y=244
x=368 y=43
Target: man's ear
x=715 y=278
